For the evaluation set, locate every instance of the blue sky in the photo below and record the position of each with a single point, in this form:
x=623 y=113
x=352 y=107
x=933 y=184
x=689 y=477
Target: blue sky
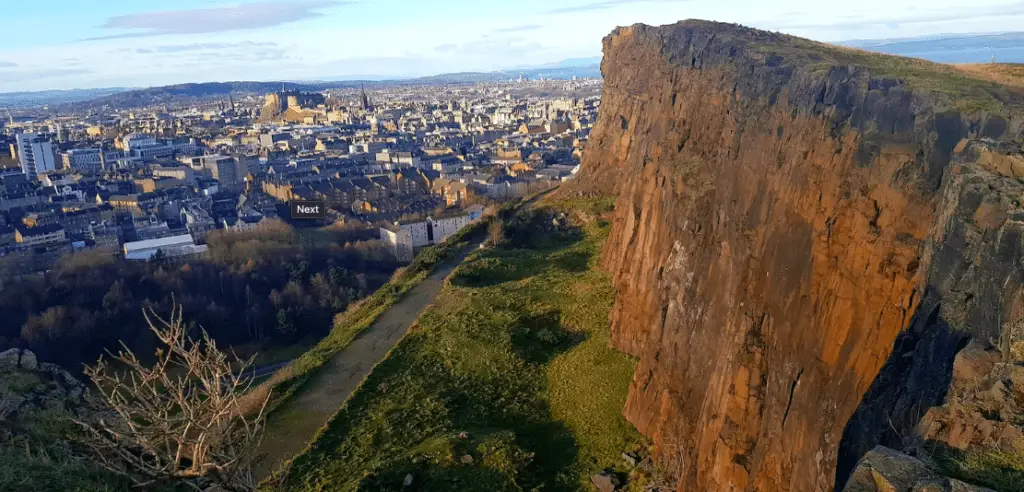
x=63 y=44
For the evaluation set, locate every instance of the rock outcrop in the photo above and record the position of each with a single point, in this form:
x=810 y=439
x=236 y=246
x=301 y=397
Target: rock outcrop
x=886 y=470
x=805 y=237
x=984 y=408
x=31 y=391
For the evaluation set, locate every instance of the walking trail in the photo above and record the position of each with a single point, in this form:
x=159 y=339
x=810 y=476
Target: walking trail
x=311 y=408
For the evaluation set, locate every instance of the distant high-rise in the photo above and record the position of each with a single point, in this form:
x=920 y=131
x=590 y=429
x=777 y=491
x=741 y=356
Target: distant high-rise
x=35 y=154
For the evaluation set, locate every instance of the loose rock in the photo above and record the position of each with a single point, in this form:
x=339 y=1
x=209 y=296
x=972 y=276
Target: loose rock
x=630 y=458
x=605 y=482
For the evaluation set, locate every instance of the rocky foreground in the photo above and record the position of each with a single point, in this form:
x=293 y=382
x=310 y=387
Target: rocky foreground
x=805 y=239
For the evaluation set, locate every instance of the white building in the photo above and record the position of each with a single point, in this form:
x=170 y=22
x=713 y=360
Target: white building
x=441 y=229
x=146 y=148
x=138 y=141
x=168 y=247
x=400 y=241
x=87 y=160
x=404 y=239
x=35 y=154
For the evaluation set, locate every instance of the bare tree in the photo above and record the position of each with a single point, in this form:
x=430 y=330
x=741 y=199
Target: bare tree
x=180 y=419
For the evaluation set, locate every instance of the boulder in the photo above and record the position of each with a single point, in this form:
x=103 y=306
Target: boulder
x=28 y=360
x=15 y=358
x=887 y=470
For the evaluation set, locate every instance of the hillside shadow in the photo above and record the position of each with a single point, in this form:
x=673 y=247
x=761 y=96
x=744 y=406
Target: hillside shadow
x=536 y=456
x=429 y=477
x=538 y=338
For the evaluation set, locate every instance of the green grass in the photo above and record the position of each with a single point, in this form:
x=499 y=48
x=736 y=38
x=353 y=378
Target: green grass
x=515 y=353
x=1002 y=472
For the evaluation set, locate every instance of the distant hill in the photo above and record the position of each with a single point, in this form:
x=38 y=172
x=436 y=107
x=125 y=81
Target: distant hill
x=179 y=92
x=197 y=91
x=79 y=99
x=38 y=98
x=951 y=48
x=568 y=63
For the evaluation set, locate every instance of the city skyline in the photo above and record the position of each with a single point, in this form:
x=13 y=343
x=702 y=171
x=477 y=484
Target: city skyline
x=122 y=44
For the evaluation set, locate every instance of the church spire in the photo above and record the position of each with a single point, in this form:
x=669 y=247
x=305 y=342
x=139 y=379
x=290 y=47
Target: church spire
x=366 y=100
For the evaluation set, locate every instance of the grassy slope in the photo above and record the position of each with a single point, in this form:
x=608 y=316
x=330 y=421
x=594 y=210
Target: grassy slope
x=515 y=352
x=357 y=318
x=968 y=89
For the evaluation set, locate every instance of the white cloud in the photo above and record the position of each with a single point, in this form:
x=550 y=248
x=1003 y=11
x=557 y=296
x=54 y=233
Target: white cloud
x=245 y=16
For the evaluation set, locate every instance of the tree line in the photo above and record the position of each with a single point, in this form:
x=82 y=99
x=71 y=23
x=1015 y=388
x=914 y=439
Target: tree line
x=274 y=285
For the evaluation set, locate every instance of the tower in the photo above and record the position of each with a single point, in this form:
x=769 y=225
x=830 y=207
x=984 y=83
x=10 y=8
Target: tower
x=365 y=98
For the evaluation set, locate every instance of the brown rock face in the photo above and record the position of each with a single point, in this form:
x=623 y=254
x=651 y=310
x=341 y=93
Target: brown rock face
x=796 y=228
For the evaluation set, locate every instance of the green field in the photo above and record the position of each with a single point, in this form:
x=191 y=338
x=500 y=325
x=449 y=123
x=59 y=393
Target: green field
x=507 y=383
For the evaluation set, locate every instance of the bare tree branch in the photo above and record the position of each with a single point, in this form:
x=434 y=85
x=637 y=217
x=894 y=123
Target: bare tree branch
x=179 y=420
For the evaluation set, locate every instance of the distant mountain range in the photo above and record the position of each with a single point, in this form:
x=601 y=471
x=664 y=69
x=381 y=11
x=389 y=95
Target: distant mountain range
x=136 y=97
x=951 y=48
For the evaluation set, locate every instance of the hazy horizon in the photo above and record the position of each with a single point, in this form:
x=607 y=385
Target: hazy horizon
x=118 y=43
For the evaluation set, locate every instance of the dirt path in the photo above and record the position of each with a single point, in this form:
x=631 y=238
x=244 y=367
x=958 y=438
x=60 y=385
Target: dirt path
x=330 y=387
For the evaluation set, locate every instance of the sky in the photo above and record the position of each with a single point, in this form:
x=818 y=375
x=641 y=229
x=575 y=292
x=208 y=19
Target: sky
x=65 y=44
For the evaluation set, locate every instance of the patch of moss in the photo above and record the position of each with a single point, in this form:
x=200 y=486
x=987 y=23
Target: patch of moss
x=1000 y=471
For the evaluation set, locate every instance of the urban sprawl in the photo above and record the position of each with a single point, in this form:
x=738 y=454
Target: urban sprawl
x=416 y=163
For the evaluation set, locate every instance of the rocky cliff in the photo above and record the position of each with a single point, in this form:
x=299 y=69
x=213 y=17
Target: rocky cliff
x=805 y=237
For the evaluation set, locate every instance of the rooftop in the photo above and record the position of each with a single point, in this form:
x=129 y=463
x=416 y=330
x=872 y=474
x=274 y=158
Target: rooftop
x=182 y=240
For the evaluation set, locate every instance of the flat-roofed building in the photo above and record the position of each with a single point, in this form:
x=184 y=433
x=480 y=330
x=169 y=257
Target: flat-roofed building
x=165 y=247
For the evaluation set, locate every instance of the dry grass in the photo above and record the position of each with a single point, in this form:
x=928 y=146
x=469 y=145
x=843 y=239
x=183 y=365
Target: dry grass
x=1008 y=74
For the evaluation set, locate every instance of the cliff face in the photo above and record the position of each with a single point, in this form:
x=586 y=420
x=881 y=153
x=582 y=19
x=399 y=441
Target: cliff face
x=804 y=238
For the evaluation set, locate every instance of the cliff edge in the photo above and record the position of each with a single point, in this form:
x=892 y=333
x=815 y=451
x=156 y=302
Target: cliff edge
x=805 y=237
